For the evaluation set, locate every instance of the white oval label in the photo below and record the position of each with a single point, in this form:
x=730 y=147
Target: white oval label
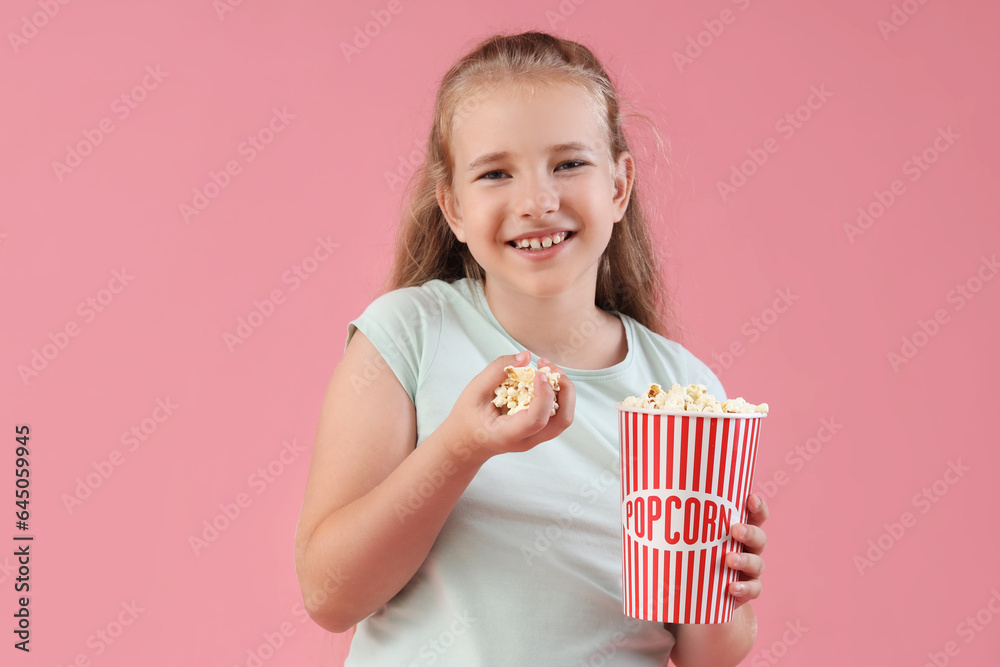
x=677 y=520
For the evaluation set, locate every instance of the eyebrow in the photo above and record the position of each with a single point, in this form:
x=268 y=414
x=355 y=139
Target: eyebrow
x=487 y=158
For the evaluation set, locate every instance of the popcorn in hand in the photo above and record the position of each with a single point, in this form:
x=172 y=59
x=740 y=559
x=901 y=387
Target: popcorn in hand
x=517 y=390
x=693 y=398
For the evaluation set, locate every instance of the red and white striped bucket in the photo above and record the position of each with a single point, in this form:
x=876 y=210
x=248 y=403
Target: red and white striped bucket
x=685 y=478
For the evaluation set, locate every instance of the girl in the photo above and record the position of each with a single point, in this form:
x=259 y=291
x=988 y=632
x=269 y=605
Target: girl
x=451 y=534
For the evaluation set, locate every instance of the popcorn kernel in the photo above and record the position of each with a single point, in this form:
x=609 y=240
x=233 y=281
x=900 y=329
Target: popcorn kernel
x=692 y=398
x=517 y=389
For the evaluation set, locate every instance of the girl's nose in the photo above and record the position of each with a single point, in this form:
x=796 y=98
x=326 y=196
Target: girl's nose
x=538 y=199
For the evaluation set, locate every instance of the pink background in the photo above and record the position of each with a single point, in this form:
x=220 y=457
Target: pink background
x=163 y=335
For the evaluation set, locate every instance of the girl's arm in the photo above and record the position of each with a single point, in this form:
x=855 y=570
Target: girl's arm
x=361 y=535
x=715 y=645
x=375 y=503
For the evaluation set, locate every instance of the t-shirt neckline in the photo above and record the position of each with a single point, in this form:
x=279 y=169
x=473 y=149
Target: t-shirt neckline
x=479 y=300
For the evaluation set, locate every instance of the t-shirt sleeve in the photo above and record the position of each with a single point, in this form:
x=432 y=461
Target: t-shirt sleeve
x=404 y=326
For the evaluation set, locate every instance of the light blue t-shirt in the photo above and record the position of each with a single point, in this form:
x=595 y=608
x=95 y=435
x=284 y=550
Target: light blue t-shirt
x=527 y=568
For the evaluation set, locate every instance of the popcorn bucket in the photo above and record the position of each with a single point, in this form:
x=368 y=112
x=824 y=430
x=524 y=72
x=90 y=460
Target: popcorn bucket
x=685 y=478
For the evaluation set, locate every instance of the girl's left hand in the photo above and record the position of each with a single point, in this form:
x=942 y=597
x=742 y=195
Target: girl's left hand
x=749 y=563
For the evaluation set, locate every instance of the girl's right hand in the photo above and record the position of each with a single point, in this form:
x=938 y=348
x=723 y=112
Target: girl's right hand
x=477 y=424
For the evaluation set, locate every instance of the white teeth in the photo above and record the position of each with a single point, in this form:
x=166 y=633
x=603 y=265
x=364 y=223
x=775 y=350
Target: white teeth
x=540 y=243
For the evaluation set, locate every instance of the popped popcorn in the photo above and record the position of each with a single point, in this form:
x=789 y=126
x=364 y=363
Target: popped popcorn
x=693 y=398
x=517 y=390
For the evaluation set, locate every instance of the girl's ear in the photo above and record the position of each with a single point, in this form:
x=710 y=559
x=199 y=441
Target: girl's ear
x=452 y=211
x=624 y=175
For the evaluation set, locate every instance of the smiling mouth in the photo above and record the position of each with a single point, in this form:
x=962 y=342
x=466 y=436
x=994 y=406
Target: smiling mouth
x=541 y=242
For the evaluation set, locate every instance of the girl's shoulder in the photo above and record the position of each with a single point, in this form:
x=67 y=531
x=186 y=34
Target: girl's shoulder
x=404 y=325
x=417 y=311
x=416 y=298
x=691 y=368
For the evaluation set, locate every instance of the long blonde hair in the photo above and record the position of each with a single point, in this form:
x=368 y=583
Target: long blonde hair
x=629 y=279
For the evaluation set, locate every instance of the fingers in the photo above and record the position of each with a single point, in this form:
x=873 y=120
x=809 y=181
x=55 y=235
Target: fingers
x=758 y=510
x=540 y=409
x=519 y=359
x=744 y=591
x=526 y=423
x=751 y=565
x=539 y=422
x=491 y=376
x=753 y=537
x=566 y=397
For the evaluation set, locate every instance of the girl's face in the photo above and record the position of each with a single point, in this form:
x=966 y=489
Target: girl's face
x=538 y=170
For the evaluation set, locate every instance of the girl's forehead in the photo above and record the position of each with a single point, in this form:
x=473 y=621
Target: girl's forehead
x=513 y=95
x=554 y=113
